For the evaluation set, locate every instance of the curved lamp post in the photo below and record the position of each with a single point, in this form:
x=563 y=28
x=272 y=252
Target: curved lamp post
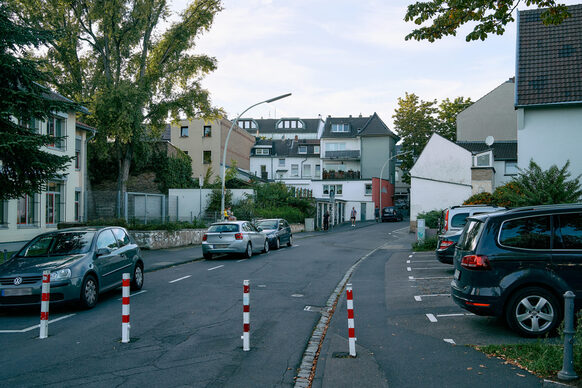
x=226 y=145
x=380 y=183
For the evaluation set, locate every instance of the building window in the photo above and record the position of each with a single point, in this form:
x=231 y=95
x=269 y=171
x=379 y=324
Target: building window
x=78 y=143
x=184 y=131
x=294 y=170
x=368 y=189
x=3 y=213
x=281 y=162
x=335 y=146
x=483 y=159
x=27 y=211
x=336 y=188
x=317 y=170
x=207 y=157
x=246 y=124
x=77 y=205
x=307 y=170
x=340 y=127
x=302 y=149
x=261 y=151
x=511 y=168
x=54 y=203
x=34 y=124
x=207 y=131
x=316 y=149
x=289 y=124
x=56 y=128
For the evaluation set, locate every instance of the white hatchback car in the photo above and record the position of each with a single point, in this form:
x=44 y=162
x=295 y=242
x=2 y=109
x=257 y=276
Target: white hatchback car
x=239 y=237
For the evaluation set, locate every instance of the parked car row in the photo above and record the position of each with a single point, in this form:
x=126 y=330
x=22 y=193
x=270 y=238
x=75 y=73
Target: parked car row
x=517 y=264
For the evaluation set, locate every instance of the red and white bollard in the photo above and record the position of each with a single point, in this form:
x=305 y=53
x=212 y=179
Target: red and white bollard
x=246 y=337
x=44 y=304
x=125 y=308
x=351 y=329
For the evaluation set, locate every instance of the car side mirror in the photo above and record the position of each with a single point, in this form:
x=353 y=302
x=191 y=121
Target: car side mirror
x=103 y=251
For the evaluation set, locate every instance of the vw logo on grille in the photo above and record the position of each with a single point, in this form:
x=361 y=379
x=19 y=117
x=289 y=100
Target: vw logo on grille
x=17 y=281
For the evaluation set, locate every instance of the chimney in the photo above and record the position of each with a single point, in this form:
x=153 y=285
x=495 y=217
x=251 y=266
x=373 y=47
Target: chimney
x=360 y=115
x=350 y=116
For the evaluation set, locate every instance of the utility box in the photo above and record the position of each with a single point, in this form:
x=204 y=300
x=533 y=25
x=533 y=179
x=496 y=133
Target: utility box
x=309 y=224
x=420 y=229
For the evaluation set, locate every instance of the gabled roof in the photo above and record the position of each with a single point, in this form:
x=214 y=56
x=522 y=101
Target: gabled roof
x=502 y=150
x=358 y=126
x=549 y=59
x=270 y=126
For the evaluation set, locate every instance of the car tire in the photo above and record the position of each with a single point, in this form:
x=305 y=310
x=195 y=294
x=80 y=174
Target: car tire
x=266 y=246
x=89 y=292
x=249 y=251
x=277 y=243
x=207 y=256
x=533 y=312
x=137 y=280
x=290 y=242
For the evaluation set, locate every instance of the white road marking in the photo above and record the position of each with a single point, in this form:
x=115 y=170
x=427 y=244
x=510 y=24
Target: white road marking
x=431 y=318
x=426 y=261
x=213 y=268
x=35 y=326
x=182 y=278
x=410 y=256
x=238 y=261
x=454 y=315
x=412 y=278
x=429 y=268
x=408 y=269
x=418 y=298
x=136 y=293
x=407 y=261
x=449 y=341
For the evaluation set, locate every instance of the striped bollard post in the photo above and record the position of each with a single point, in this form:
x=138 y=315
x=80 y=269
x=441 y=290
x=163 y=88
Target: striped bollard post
x=125 y=309
x=351 y=329
x=44 y=304
x=246 y=337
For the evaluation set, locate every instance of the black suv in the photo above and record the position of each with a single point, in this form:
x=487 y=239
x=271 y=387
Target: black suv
x=519 y=263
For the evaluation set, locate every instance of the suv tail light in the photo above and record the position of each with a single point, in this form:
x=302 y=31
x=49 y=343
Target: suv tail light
x=205 y=237
x=445 y=244
x=238 y=236
x=476 y=262
x=446 y=227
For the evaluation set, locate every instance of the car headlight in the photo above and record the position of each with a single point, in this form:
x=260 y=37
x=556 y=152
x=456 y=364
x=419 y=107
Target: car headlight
x=61 y=274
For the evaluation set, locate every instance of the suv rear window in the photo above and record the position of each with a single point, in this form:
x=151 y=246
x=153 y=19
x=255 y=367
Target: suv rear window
x=568 y=231
x=528 y=233
x=459 y=220
x=470 y=236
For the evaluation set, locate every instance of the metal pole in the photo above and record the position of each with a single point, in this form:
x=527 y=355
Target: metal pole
x=567 y=372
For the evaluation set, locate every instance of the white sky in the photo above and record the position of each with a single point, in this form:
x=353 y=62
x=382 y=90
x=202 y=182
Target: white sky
x=340 y=57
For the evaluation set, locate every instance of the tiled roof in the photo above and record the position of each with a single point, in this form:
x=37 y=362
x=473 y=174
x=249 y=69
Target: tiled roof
x=287 y=148
x=502 y=150
x=358 y=126
x=270 y=126
x=549 y=59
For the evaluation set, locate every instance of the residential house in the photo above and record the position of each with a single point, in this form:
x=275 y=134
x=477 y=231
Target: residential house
x=204 y=142
x=63 y=200
x=283 y=128
x=441 y=177
x=492 y=119
x=549 y=90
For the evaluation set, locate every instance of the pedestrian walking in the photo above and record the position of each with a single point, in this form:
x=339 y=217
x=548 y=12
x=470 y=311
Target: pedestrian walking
x=353 y=216
x=325 y=220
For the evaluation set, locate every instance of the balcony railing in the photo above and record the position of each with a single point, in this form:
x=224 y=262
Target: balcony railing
x=345 y=175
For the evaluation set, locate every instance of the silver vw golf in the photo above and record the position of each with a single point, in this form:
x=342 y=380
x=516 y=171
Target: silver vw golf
x=233 y=237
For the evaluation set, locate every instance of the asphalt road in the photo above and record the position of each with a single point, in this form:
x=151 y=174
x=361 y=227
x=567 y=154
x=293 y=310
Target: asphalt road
x=186 y=323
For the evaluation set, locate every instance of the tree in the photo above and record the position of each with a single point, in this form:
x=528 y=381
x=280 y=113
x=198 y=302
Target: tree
x=447 y=116
x=114 y=56
x=24 y=166
x=445 y=17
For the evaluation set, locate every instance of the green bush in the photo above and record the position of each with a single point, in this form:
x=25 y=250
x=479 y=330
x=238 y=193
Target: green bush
x=136 y=225
x=428 y=244
x=479 y=199
x=431 y=218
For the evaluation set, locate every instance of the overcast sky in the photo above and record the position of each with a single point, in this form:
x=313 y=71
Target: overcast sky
x=340 y=58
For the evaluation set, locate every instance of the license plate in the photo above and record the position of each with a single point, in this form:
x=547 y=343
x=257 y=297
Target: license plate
x=17 y=291
x=457 y=275
x=220 y=245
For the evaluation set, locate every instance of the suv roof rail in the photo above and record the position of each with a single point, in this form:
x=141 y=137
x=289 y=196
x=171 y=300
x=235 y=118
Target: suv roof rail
x=477 y=205
x=544 y=207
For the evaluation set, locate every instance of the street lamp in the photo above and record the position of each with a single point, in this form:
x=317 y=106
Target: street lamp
x=226 y=144
x=380 y=183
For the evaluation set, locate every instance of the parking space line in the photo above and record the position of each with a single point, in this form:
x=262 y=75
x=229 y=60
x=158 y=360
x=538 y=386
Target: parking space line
x=213 y=268
x=431 y=318
x=35 y=326
x=428 y=268
x=418 y=298
x=182 y=278
x=407 y=261
x=449 y=341
x=426 y=261
x=454 y=315
x=412 y=278
x=408 y=269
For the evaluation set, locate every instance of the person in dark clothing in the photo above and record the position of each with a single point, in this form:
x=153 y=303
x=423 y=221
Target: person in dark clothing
x=326 y=220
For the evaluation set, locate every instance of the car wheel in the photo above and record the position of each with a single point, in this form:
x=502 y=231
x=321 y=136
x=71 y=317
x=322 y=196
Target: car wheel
x=533 y=312
x=277 y=243
x=137 y=281
x=249 y=251
x=207 y=256
x=290 y=242
x=89 y=292
x=266 y=246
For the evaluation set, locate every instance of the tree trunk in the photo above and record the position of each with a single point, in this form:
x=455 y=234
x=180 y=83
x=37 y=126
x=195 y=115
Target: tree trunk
x=124 y=162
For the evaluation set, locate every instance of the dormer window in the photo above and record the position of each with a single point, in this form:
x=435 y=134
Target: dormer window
x=340 y=128
x=261 y=151
x=302 y=149
x=483 y=159
x=247 y=124
x=290 y=124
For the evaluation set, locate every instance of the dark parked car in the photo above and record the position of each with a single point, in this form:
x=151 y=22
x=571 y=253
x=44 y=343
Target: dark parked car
x=84 y=262
x=239 y=237
x=519 y=263
x=277 y=230
x=446 y=246
x=391 y=213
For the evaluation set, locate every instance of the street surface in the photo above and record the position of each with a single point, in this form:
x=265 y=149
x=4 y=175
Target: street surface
x=186 y=323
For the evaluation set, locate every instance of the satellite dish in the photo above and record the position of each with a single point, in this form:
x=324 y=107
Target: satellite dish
x=489 y=140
